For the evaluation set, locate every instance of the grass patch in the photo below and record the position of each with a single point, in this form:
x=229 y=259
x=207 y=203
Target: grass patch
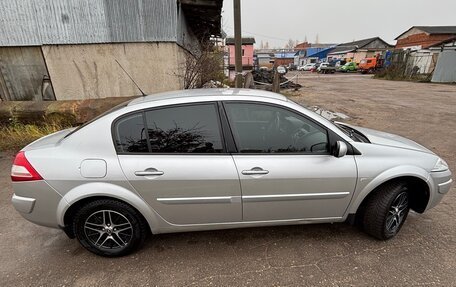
x=16 y=136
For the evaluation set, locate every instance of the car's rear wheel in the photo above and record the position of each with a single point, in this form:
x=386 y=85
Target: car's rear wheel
x=386 y=211
x=109 y=228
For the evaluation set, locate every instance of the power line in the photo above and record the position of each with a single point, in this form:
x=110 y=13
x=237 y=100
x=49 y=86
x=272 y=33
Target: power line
x=261 y=35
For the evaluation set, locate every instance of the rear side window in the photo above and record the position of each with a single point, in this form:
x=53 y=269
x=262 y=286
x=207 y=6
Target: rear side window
x=177 y=129
x=184 y=129
x=131 y=134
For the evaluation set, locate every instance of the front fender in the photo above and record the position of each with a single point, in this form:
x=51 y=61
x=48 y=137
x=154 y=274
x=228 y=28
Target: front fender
x=107 y=190
x=395 y=172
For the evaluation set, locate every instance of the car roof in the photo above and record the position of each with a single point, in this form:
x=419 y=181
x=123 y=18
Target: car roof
x=206 y=93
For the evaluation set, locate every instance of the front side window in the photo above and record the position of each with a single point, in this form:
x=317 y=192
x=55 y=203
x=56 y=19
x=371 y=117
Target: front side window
x=184 y=129
x=259 y=128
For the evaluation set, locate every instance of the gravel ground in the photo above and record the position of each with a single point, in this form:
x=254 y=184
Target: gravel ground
x=424 y=253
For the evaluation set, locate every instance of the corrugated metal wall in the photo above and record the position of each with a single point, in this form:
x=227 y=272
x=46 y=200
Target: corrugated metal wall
x=40 y=22
x=22 y=71
x=445 y=71
x=185 y=37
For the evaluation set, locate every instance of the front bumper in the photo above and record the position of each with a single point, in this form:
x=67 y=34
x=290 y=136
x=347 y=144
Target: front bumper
x=440 y=183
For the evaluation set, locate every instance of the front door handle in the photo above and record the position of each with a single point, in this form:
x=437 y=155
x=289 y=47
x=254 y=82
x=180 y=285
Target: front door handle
x=149 y=172
x=255 y=171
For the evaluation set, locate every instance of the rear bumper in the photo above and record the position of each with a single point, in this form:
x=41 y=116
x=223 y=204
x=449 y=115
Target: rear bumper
x=37 y=202
x=23 y=204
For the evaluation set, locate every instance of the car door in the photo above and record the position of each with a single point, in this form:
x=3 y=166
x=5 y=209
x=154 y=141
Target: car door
x=285 y=166
x=174 y=156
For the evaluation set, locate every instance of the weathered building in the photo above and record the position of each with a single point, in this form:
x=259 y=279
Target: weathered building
x=357 y=50
x=430 y=51
x=247 y=54
x=315 y=55
x=423 y=37
x=284 y=58
x=265 y=60
x=445 y=68
x=67 y=49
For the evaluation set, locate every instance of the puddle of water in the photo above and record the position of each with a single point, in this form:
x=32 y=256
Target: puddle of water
x=329 y=115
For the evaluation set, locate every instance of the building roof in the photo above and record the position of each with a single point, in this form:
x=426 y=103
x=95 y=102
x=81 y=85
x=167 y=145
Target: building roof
x=245 y=41
x=203 y=16
x=285 y=55
x=432 y=30
x=353 y=46
x=319 y=51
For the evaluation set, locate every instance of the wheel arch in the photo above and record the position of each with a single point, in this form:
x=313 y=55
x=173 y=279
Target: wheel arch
x=82 y=194
x=417 y=177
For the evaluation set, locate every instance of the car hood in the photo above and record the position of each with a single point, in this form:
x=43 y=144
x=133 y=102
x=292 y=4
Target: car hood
x=387 y=139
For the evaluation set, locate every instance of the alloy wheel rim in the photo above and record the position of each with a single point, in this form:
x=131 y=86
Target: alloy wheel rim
x=108 y=229
x=396 y=212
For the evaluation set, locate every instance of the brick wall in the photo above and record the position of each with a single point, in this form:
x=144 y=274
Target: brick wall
x=283 y=62
x=424 y=40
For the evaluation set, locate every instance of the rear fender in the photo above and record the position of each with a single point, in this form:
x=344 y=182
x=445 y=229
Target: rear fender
x=106 y=190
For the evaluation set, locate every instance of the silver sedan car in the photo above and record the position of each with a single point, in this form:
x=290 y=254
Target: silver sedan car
x=215 y=159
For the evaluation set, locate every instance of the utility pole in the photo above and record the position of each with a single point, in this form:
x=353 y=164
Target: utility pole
x=237 y=43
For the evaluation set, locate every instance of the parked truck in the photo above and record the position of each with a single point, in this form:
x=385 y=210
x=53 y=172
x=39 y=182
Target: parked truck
x=326 y=68
x=371 y=65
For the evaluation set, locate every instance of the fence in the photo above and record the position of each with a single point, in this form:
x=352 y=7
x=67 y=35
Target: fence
x=407 y=65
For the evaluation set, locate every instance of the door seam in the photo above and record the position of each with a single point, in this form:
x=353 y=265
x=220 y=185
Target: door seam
x=240 y=186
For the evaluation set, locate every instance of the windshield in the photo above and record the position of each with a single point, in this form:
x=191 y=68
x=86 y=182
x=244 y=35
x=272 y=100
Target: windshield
x=352 y=133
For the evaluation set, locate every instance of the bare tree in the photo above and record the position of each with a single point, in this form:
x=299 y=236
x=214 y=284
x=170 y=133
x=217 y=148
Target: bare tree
x=202 y=65
x=290 y=44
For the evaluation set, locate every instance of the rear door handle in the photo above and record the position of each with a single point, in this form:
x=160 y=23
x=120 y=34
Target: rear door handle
x=149 y=172
x=255 y=171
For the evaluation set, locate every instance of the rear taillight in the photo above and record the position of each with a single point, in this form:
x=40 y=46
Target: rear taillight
x=22 y=170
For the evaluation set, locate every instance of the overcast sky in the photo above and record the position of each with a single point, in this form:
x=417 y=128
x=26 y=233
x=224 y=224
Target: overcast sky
x=335 y=21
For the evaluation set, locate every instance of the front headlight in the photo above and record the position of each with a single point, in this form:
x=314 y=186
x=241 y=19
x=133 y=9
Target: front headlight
x=440 y=165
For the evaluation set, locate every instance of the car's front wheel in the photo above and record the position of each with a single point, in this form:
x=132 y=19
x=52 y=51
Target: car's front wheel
x=386 y=210
x=109 y=228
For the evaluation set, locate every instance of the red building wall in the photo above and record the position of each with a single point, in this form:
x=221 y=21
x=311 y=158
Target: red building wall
x=302 y=46
x=424 y=40
x=247 y=56
x=283 y=62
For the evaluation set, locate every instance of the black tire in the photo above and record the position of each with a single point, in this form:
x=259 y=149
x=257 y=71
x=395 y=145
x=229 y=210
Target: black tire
x=129 y=236
x=379 y=217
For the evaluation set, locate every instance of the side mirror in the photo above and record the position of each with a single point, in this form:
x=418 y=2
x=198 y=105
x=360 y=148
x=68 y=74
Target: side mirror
x=341 y=149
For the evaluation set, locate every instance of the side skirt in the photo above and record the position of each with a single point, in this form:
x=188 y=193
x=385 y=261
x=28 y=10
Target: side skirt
x=231 y=225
